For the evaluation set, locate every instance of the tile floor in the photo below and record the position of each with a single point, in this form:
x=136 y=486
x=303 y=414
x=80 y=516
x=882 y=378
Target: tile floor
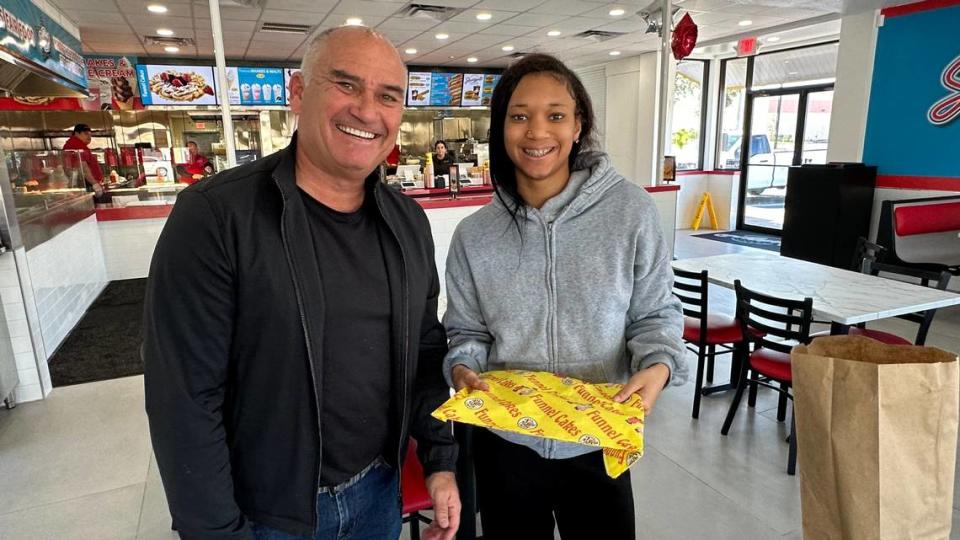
x=79 y=465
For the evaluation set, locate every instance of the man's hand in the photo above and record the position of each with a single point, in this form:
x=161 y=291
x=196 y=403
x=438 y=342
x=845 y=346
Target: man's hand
x=465 y=377
x=442 y=487
x=648 y=383
x=98 y=189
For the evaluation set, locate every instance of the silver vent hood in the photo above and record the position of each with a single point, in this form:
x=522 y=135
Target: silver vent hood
x=21 y=77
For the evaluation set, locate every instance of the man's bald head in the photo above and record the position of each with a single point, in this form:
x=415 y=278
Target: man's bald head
x=346 y=37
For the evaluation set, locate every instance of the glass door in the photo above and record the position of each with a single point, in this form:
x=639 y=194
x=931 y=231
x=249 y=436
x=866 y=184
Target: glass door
x=784 y=128
x=772 y=146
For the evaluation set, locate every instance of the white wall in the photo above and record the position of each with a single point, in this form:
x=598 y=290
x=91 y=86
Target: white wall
x=67 y=273
x=128 y=246
x=723 y=192
x=631 y=105
x=851 y=97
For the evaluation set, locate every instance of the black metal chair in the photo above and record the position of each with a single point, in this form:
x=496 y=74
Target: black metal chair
x=774 y=325
x=704 y=332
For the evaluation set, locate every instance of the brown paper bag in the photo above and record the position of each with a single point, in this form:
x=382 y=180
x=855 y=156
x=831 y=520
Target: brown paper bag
x=877 y=438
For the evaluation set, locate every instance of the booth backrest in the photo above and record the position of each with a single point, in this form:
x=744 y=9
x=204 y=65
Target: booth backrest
x=927 y=218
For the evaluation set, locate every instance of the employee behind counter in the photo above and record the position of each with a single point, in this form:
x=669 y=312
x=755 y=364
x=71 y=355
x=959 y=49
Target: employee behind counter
x=443 y=158
x=79 y=141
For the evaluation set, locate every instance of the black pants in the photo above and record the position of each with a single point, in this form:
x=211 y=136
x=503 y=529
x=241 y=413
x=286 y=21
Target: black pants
x=520 y=493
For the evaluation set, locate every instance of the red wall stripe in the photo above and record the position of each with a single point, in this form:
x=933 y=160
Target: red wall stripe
x=939 y=183
x=917 y=7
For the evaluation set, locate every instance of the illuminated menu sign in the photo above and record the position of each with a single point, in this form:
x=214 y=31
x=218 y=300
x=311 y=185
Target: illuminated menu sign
x=176 y=85
x=252 y=86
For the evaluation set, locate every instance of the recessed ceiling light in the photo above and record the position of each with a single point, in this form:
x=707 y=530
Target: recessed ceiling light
x=747 y=22
x=614 y=53
x=354 y=21
x=164 y=32
x=484 y=16
x=442 y=36
x=172 y=49
x=506 y=48
x=772 y=39
x=786 y=61
x=472 y=59
x=156 y=8
x=616 y=12
x=792 y=73
x=554 y=33
x=411 y=51
x=451 y=57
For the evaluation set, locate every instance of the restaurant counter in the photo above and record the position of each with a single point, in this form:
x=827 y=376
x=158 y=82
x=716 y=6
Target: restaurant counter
x=129 y=234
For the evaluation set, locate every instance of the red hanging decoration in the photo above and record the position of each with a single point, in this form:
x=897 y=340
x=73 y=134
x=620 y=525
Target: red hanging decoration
x=684 y=37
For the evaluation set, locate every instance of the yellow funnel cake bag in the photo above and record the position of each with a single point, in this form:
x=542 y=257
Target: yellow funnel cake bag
x=550 y=406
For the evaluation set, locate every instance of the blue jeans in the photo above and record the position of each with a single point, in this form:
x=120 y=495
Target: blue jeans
x=365 y=507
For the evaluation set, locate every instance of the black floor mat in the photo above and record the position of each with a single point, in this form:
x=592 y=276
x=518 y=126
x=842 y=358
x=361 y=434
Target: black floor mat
x=745 y=238
x=105 y=344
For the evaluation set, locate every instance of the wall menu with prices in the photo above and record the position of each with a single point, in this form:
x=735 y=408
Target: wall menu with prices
x=450 y=89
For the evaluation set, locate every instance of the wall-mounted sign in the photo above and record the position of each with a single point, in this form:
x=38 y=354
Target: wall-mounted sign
x=176 y=85
x=114 y=81
x=28 y=32
x=255 y=86
x=947 y=109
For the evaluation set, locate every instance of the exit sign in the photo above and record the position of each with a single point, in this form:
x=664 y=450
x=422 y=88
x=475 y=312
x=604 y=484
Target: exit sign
x=747 y=46
x=201 y=125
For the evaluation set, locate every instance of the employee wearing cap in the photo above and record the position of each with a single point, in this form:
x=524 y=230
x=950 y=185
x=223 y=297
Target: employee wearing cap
x=88 y=162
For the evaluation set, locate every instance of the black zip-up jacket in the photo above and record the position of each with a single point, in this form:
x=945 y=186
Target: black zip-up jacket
x=233 y=350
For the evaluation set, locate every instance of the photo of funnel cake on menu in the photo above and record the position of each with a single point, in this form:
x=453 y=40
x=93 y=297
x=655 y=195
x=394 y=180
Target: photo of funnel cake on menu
x=176 y=85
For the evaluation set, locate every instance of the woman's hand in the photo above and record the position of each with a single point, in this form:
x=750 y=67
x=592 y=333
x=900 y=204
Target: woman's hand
x=648 y=383
x=466 y=377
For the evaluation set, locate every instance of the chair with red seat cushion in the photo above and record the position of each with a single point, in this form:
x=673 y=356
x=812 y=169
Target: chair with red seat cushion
x=413 y=488
x=775 y=325
x=705 y=332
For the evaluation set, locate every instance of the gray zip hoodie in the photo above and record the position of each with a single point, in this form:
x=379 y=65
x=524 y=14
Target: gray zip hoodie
x=585 y=291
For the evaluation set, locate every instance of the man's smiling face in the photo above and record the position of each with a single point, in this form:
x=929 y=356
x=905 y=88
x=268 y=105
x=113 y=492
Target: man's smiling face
x=351 y=108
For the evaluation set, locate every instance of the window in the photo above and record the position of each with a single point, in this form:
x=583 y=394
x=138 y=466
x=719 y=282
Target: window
x=733 y=84
x=688 y=121
x=798 y=67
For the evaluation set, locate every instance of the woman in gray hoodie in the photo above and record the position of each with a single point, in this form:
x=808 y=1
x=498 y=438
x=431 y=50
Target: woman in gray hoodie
x=565 y=271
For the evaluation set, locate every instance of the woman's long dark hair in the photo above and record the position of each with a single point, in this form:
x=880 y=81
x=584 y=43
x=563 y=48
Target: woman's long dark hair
x=502 y=168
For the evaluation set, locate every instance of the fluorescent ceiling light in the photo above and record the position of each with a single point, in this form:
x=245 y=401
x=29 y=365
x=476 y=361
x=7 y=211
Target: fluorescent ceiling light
x=411 y=51
x=484 y=16
x=616 y=12
x=442 y=36
x=472 y=59
x=166 y=32
x=554 y=33
x=156 y=8
x=614 y=53
x=506 y=48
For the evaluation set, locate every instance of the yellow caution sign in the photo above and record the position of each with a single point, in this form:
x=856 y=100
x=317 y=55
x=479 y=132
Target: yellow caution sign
x=554 y=407
x=706 y=203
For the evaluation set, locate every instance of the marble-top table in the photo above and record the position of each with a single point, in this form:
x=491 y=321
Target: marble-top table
x=841 y=296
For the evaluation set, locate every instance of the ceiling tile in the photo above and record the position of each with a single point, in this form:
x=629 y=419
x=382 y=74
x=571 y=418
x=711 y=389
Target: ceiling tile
x=575 y=25
x=237 y=26
x=97 y=18
x=536 y=20
x=407 y=24
x=455 y=27
x=564 y=7
x=71 y=7
x=359 y=8
x=147 y=21
x=239 y=14
x=340 y=19
x=505 y=30
x=294 y=17
x=508 y=5
x=470 y=15
x=301 y=5
x=139 y=7
x=398 y=36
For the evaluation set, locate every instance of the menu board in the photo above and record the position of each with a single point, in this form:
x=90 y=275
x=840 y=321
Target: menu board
x=446 y=89
x=418 y=89
x=255 y=86
x=176 y=85
x=113 y=80
x=489 y=83
x=287 y=73
x=472 y=90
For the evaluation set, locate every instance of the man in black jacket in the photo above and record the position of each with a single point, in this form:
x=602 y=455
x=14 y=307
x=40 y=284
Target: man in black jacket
x=292 y=342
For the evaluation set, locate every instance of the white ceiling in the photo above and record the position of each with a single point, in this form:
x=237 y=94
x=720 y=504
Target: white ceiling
x=119 y=26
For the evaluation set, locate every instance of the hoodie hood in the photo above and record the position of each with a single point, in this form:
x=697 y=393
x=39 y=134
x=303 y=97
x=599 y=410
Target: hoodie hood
x=591 y=177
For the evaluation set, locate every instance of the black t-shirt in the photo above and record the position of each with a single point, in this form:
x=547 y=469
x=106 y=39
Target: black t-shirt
x=356 y=398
